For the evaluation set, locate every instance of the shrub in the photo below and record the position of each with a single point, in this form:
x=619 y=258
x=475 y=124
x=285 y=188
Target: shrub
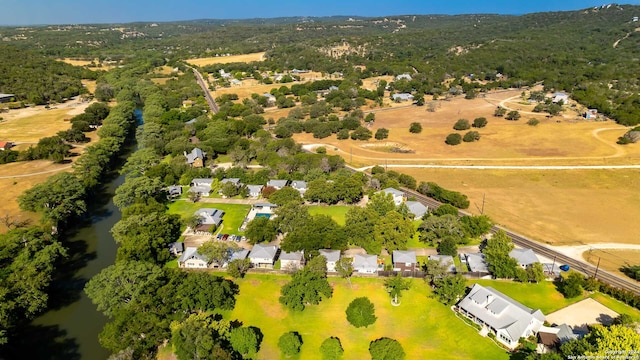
x=361 y=133
x=471 y=136
x=290 y=343
x=500 y=111
x=415 y=128
x=343 y=134
x=453 y=139
x=479 y=122
x=462 y=124
x=533 y=122
x=381 y=134
x=321 y=150
x=513 y=115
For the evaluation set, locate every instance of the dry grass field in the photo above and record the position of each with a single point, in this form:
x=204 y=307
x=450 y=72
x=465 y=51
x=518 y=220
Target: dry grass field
x=76 y=62
x=90 y=85
x=611 y=259
x=227 y=59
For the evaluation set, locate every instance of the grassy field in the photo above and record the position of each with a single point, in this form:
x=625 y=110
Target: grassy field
x=233 y=217
x=227 y=59
x=32 y=124
x=336 y=212
x=425 y=328
x=612 y=259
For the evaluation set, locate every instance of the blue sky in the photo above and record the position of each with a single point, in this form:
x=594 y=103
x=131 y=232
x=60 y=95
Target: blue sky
x=28 y=12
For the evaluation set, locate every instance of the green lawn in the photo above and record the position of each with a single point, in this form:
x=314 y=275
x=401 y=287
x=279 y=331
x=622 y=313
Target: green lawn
x=425 y=328
x=336 y=212
x=616 y=305
x=233 y=217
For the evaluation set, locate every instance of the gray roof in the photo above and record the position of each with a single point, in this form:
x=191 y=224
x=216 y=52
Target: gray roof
x=202 y=181
x=403 y=76
x=417 y=208
x=239 y=255
x=261 y=251
x=210 y=216
x=446 y=260
x=6 y=95
x=330 y=255
x=299 y=185
x=202 y=189
x=277 y=183
x=365 y=261
x=404 y=256
x=499 y=311
x=565 y=333
x=254 y=188
x=524 y=256
x=403 y=96
x=234 y=181
x=192 y=121
x=196 y=153
x=191 y=253
x=476 y=263
x=176 y=247
x=394 y=192
x=175 y=190
x=265 y=205
x=294 y=256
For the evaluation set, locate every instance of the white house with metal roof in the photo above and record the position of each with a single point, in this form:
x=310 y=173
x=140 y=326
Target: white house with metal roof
x=255 y=190
x=277 y=184
x=506 y=318
x=201 y=186
x=444 y=260
x=291 y=260
x=398 y=196
x=192 y=259
x=332 y=257
x=263 y=256
x=365 y=263
x=299 y=185
x=524 y=257
x=417 y=208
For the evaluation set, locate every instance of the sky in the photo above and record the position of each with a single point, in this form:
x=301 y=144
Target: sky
x=37 y=12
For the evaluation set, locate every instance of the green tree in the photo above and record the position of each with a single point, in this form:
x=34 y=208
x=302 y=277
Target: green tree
x=146 y=242
x=386 y=349
x=533 y=122
x=445 y=209
x=453 y=139
x=318 y=232
x=344 y=268
x=229 y=189
x=475 y=226
x=395 y=285
x=480 y=122
x=261 y=229
x=497 y=256
x=381 y=203
x=290 y=343
x=238 y=267
x=535 y=273
x=136 y=189
x=448 y=246
x=331 y=349
x=342 y=134
x=199 y=291
x=361 y=312
x=499 y=112
x=245 y=340
x=217 y=252
x=382 y=134
x=393 y=231
x=434 y=269
x=615 y=338
x=436 y=228
x=449 y=288
x=285 y=195
x=513 y=115
x=471 y=136
x=415 y=128
x=140 y=161
x=200 y=336
x=462 y=124
x=361 y=133
x=308 y=286
x=571 y=286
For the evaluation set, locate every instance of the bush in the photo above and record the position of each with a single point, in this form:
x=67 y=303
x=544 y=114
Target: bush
x=415 y=128
x=321 y=150
x=453 y=139
x=471 y=136
x=533 y=122
x=343 y=134
x=382 y=134
x=290 y=343
x=513 y=115
x=361 y=133
x=462 y=124
x=500 y=111
x=361 y=312
x=479 y=122
x=445 y=196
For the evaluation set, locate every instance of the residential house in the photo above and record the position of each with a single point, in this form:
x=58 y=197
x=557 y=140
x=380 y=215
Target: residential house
x=445 y=260
x=299 y=185
x=195 y=158
x=417 y=208
x=4 y=98
x=550 y=338
x=365 y=264
x=560 y=96
x=174 y=191
x=291 y=260
x=235 y=82
x=201 y=187
x=404 y=77
x=240 y=254
x=208 y=217
x=224 y=75
x=255 y=190
x=176 y=248
x=234 y=181
x=332 y=257
x=524 y=257
x=402 y=97
x=263 y=256
x=5 y=145
x=277 y=184
x=398 y=196
x=506 y=318
x=333 y=88
x=591 y=114
x=404 y=260
x=191 y=259
x=477 y=264
x=191 y=122
x=187 y=103
x=271 y=100
x=296 y=71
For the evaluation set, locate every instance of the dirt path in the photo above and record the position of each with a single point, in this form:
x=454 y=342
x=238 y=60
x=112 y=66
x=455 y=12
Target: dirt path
x=576 y=251
x=36 y=173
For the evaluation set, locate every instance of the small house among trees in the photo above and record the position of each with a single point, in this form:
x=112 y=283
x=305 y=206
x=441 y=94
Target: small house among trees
x=404 y=260
x=195 y=158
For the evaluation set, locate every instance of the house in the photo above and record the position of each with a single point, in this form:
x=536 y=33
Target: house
x=201 y=186
x=417 y=208
x=271 y=100
x=332 y=257
x=277 y=184
x=524 y=257
x=224 y=75
x=176 y=248
x=195 y=158
x=560 y=96
x=404 y=77
x=299 y=185
x=291 y=260
x=591 y=114
x=398 y=196
x=402 y=97
x=240 y=254
x=255 y=190
x=5 y=145
x=296 y=71
x=445 y=260
x=499 y=314
x=333 y=88
x=263 y=256
x=187 y=103
x=208 y=217
x=235 y=82
x=174 y=190
x=550 y=338
x=191 y=259
x=191 y=122
x=4 y=98
x=477 y=264
x=404 y=260
x=365 y=264
x=234 y=181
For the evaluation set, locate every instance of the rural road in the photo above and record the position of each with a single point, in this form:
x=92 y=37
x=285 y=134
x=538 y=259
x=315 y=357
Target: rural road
x=36 y=173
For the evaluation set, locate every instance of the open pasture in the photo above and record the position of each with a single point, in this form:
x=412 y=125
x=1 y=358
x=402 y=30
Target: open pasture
x=226 y=59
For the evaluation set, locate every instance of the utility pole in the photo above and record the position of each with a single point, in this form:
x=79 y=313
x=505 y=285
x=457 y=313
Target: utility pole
x=597 y=267
x=482 y=210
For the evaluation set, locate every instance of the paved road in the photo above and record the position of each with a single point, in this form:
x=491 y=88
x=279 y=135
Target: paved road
x=507 y=167
x=207 y=95
x=36 y=173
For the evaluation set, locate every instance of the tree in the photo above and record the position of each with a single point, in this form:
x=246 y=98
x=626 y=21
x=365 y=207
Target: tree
x=229 y=189
x=361 y=312
x=448 y=246
x=513 y=115
x=382 y=134
x=318 y=232
x=260 y=230
x=344 y=267
x=571 y=286
x=445 y=209
x=238 y=267
x=145 y=236
x=308 y=286
x=415 y=128
x=285 y=195
x=449 y=288
x=533 y=122
x=393 y=231
x=434 y=269
x=245 y=340
x=436 y=228
x=199 y=292
x=616 y=339
x=395 y=285
x=453 y=139
x=381 y=203
x=499 y=112
x=217 y=252
x=361 y=133
x=290 y=343
x=342 y=134
x=480 y=122
x=462 y=124
x=475 y=226
x=136 y=189
x=497 y=256
x=471 y=136
x=200 y=336
x=386 y=349
x=535 y=272
x=331 y=349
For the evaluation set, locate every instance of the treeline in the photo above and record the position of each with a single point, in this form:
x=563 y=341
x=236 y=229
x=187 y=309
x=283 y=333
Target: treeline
x=38 y=80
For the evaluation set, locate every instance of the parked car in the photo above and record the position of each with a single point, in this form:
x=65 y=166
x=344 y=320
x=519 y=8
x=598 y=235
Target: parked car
x=564 y=267
x=225 y=237
x=244 y=238
x=232 y=238
x=219 y=236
